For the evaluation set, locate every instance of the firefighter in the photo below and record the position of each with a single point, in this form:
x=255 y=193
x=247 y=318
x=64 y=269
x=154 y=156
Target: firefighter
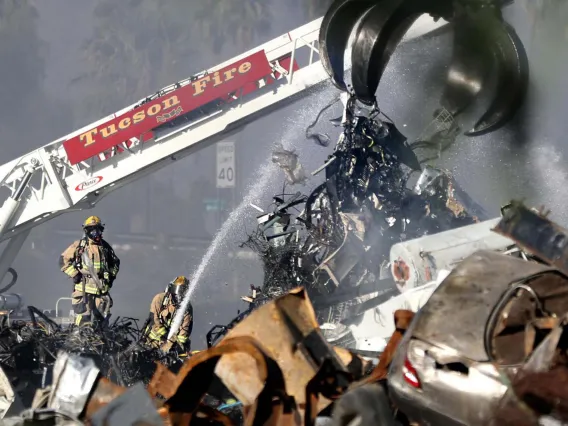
x=93 y=266
x=163 y=310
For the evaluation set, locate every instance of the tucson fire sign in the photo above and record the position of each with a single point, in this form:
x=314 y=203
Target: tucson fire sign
x=138 y=121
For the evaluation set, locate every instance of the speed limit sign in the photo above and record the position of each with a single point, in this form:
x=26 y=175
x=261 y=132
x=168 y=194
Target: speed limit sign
x=225 y=164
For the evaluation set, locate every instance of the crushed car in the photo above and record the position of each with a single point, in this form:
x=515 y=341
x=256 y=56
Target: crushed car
x=478 y=327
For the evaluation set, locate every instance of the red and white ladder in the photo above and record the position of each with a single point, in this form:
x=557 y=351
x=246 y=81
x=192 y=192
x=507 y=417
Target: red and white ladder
x=76 y=171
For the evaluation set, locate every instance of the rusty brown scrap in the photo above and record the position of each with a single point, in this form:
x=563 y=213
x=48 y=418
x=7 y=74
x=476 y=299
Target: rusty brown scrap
x=286 y=343
x=105 y=391
x=402 y=320
x=276 y=362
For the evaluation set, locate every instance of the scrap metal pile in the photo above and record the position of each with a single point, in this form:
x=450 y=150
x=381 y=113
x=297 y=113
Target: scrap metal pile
x=488 y=348
x=340 y=234
x=28 y=350
x=335 y=241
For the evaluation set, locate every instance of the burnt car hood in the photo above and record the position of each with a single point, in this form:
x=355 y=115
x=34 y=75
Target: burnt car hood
x=457 y=313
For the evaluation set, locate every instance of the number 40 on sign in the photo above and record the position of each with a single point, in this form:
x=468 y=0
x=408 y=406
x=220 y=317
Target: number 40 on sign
x=226 y=165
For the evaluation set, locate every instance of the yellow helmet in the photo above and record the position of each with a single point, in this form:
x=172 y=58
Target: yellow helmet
x=92 y=221
x=178 y=286
x=181 y=280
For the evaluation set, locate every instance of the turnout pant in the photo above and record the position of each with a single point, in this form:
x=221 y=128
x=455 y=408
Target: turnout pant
x=84 y=306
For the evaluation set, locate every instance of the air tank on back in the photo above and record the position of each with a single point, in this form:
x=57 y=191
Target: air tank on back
x=415 y=262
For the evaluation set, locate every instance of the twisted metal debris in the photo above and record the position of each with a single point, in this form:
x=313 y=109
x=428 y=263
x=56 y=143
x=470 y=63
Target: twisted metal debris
x=271 y=382
x=28 y=350
x=336 y=240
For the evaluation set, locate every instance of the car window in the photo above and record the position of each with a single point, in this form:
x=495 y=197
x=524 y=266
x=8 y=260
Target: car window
x=524 y=317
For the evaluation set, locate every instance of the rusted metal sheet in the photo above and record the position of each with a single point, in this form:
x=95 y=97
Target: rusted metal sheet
x=270 y=325
x=105 y=391
x=185 y=390
x=540 y=386
x=276 y=362
x=402 y=320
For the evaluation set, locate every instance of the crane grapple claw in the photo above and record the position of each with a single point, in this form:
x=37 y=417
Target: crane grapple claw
x=485 y=48
x=512 y=81
x=375 y=41
x=335 y=30
x=468 y=69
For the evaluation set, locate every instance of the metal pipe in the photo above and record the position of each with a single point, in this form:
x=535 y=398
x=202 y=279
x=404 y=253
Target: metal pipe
x=57 y=304
x=23 y=184
x=11 y=302
x=11 y=251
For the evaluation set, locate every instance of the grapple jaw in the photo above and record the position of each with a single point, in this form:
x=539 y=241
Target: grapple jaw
x=335 y=31
x=374 y=44
x=512 y=74
x=483 y=45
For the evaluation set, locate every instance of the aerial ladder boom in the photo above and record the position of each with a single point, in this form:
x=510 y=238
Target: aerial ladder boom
x=76 y=171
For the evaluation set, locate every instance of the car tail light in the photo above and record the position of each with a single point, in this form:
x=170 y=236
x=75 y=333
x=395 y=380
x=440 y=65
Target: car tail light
x=410 y=375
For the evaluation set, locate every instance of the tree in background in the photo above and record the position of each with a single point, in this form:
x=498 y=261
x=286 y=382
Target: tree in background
x=236 y=22
x=549 y=34
x=28 y=120
x=314 y=8
x=137 y=47
x=240 y=22
x=22 y=53
x=22 y=70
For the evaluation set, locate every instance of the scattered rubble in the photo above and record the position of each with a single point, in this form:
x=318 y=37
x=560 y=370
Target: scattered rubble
x=324 y=257
x=270 y=380
x=288 y=161
x=28 y=351
x=488 y=345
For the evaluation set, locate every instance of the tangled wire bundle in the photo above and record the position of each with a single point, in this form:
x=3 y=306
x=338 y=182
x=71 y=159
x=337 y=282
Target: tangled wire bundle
x=28 y=349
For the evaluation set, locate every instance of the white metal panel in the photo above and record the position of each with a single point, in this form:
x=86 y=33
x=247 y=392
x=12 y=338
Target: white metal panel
x=426 y=255
x=376 y=327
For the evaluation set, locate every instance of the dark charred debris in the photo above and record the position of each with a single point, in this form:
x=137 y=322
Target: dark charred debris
x=377 y=191
x=29 y=347
x=334 y=242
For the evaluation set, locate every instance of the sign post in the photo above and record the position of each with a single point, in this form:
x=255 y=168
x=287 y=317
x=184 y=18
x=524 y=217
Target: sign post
x=226 y=164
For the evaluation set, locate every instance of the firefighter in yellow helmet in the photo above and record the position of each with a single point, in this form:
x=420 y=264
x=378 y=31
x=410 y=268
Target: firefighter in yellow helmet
x=163 y=310
x=93 y=266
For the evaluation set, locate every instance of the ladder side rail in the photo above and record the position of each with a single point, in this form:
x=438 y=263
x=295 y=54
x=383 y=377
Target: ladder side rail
x=59 y=179
x=59 y=194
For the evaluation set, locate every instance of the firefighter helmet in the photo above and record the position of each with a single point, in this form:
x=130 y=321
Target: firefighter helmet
x=94 y=228
x=92 y=221
x=178 y=287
